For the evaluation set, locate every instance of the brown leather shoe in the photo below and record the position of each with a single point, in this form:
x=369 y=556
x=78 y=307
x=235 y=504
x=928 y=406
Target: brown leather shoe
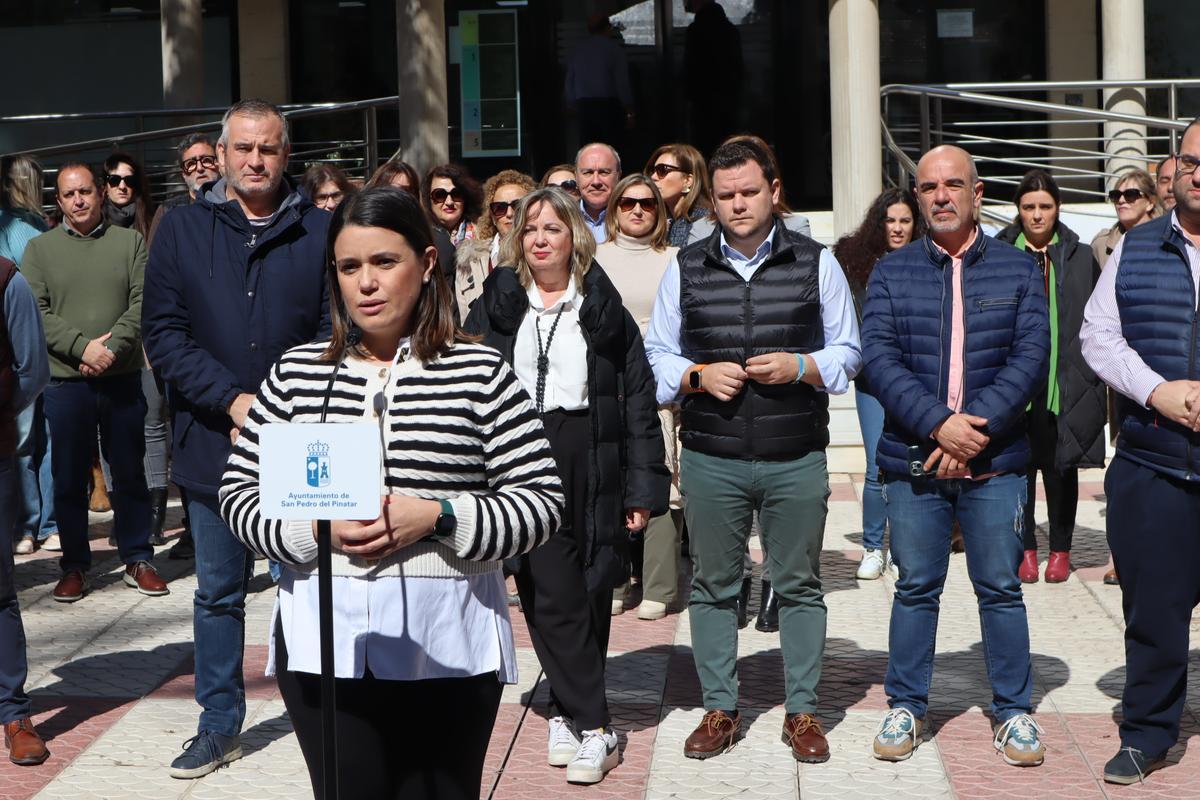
x=144 y=577
x=716 y=733
x=25 y=747
x=803 y=732
x=1111 y=578
x=71 y=586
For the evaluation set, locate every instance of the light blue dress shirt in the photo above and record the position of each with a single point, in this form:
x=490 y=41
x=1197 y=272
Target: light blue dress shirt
x=595 y=226
x=838 y=361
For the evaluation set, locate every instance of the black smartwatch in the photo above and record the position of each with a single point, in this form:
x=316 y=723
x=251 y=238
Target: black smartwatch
x=694 y=378
x=446 y=523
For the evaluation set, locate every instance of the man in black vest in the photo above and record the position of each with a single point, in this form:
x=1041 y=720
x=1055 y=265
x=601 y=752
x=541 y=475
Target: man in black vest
x=753 y=327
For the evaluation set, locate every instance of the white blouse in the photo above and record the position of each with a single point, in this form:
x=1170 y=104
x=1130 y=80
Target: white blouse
x=404 y=629
x=567 y=380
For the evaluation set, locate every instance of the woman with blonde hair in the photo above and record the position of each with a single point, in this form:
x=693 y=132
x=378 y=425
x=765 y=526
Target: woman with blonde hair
x=635 y=256
x=21 y=190
x=562 y=176
x=558 y=320
x=1136 y=202
x=477 y=257
x=681 y=175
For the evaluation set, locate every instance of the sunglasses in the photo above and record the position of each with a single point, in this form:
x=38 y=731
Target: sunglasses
x=500 y=208
x=116 y=180
x=662 y=170
x=440 y=195
x=568 y=186
x=193 y=164
x=1130 y=195
x=648 y=204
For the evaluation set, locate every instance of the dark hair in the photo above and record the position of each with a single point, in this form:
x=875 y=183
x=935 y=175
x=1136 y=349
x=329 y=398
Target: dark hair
x=858 y=252
x=1036 y=180
x=743 y=147
x=318 y=175
x=143 y=213
x=191 y=140
x=458 y=175
x=388 y=171
x=398 y=211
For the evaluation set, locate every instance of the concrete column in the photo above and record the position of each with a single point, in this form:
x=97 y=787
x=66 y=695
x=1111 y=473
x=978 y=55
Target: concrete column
x=1072 y=38
x=264 y=53
x=183 y=53
x=854 y=91
x=1123 y=54
x=421 y=48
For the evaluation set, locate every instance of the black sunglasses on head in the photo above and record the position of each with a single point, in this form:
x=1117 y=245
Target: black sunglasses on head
x=1130 y=195
x=115 y=180
x=568 y=186
x=648 y=204
x=440 y=195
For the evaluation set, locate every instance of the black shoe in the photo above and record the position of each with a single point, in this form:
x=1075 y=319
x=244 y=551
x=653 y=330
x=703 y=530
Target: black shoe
x=158 y=516
x=1130 y=765
x=743 y=602
x=184 y=549
x=768 y=610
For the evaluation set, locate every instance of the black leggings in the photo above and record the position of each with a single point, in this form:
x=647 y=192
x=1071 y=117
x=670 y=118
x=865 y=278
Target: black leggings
x=1062 y=488
x=396 y=739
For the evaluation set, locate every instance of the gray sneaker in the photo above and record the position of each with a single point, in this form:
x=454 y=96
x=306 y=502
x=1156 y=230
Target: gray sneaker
x=899 y=734
x=204 y=753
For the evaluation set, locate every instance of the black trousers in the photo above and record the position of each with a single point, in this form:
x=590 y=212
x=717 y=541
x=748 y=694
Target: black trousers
x=397 y=740
x=1062 y=488
x=1154 y=533
x=568 y=624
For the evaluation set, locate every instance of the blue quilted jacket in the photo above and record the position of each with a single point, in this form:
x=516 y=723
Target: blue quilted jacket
x=906 y=347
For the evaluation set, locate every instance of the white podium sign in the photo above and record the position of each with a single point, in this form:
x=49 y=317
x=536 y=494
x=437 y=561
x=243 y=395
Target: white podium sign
x=323 y=470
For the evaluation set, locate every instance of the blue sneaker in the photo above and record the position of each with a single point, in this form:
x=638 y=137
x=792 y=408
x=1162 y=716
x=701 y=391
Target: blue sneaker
x=1131 y=765
x=898 y=736
x=204 y=753
x=1018 y=742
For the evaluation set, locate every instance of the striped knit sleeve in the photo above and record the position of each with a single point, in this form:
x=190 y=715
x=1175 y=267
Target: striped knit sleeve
x=525 y=503
x=290 y=542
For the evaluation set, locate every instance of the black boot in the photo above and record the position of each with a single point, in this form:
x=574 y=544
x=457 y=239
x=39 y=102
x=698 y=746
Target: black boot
x=185 y=548
x=768 y=611
x=743 y=602
x=158 y=516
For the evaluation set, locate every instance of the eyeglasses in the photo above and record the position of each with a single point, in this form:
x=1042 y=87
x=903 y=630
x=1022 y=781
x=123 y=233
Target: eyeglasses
x=1130 y=195
x=193 y=164
x=115 y=180
x=440 y=195
x=1185 y=164
x=662 y=169
x=500 y=208
x=648 y=204
x=568 y=186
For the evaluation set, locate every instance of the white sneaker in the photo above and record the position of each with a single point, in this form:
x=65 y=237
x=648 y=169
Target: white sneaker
x=596 y=756
x=52 y=543
x=871 y=566
x=24 y=546
x=651 y=609
x=564 y=744
x=891 y=569
x=618 y=607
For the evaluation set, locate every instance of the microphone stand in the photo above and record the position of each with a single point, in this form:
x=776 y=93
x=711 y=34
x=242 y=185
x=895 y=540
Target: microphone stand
x=329 y=757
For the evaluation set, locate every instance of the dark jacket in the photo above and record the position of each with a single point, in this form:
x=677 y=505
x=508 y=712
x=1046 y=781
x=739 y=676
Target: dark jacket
x=8 y=372
x=906 y=334
x=1155 y=299
x=727 y=318
x=222 y=301
x=1083 y=403
x=626 y=458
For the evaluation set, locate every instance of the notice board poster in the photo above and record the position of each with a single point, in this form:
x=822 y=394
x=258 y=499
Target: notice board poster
x=489 y=83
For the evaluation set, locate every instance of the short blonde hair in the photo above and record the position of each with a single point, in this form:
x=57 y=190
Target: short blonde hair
x=583 y=244
x=1142 y=181
x=658 y=237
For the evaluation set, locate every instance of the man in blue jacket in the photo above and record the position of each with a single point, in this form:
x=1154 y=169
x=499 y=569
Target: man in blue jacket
x=234 y=279
x=956 y=338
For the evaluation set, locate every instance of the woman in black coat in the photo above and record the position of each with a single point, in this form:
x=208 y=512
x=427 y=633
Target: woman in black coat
x=559 y=321
x=1066 y=419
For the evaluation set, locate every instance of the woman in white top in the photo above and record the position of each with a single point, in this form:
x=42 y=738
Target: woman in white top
x=477 y=257
x=635 y=256
x=422 y=640
x=556 y=317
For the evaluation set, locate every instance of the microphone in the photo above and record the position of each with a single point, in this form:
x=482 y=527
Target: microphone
x=353 y=336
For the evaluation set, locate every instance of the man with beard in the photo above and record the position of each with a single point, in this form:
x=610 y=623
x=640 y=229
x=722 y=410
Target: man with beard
x=956 y=339
x=234 y=280
x=197 y=166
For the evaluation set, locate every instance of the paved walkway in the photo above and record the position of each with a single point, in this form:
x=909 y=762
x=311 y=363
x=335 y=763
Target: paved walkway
x=112 y=682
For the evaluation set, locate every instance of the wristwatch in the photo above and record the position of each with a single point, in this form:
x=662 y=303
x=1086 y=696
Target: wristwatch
x=446 y=523
x=694 y=378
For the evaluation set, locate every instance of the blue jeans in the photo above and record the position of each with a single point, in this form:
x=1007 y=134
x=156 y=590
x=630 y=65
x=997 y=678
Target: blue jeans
x=223 y=569
x=35 y=477
x=874 y=518
x=14 y=703
x=992 y=515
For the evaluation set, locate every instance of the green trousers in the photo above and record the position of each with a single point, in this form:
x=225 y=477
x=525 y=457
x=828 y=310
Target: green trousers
x=720 y=496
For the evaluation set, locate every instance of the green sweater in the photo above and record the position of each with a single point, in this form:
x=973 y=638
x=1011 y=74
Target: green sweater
x=87 y=286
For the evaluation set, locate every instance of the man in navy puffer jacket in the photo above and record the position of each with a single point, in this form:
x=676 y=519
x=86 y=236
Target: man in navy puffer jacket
x=234 y=280
x=956 y=339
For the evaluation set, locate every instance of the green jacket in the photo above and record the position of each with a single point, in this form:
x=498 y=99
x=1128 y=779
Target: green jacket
x=87 y=286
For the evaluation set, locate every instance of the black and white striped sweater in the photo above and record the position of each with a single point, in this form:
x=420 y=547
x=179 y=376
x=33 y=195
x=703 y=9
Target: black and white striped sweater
x=459 y=427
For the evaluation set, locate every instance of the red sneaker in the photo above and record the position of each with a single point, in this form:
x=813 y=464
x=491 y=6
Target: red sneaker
x=1028 y=573
x=1058 y=568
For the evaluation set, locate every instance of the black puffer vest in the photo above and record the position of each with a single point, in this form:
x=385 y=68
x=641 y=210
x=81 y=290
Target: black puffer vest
x=726 y=318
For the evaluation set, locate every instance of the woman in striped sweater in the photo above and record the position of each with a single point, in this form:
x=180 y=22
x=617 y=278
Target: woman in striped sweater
x=423 y=642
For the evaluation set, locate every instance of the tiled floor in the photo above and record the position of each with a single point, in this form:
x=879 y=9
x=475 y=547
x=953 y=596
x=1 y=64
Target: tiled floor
x=112 y=685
